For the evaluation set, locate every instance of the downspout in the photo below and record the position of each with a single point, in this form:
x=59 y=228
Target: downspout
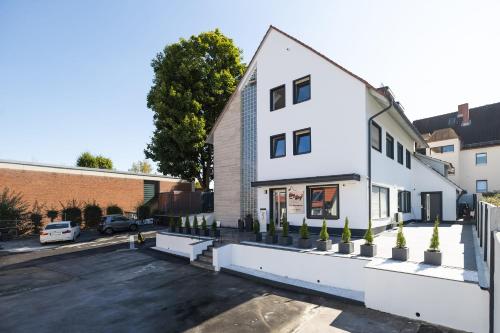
x=391 y=103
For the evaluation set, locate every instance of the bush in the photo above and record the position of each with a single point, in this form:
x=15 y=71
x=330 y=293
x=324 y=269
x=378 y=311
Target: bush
x=171 y=222
x=272 y=228
x=346 y=233
x=434 y=246
x=36 y=215
x=114 y=209
x=92 y=214
x=400 y=239
x=195 y=222
x=72 y=211
x=304 y=230
x=203 y=223
x=323 y=235
x=179 y=221
x=256 y=226
x=187 y=225
x=143 y=212
x=214 y=225
x=369 y=234
x=12 y=205
x=52 y=214
x=285 y=228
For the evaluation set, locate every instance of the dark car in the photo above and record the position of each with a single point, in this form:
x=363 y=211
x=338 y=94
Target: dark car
x=112 y=223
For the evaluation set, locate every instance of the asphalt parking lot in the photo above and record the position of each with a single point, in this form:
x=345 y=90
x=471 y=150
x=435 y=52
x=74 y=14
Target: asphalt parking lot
x=114 y=289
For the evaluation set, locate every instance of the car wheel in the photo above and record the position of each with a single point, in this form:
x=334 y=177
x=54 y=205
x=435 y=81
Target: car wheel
x=133 y=227
x=108 y=231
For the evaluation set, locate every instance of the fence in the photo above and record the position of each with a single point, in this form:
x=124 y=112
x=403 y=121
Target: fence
x=186 y=202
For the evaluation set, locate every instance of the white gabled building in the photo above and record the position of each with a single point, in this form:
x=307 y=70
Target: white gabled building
x=293 y=141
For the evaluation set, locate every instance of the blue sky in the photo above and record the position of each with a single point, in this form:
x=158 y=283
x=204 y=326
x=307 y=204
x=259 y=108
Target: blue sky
x=74 y=75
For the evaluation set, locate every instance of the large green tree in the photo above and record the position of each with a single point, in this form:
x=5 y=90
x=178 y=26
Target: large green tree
x=193 y=80
x=87 y=160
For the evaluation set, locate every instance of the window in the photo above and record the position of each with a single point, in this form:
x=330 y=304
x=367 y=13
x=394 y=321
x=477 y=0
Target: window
x=447 y=149
x=404 y=201
x=380 y=202
x=323 y=202
x=481 y=158
x=408 y=159
x=52 y=226
x=376 y=134
x=278 y=146
x=481 y=186
x=302 y=90
x=278 y=98
x=302 y=141
x=421 y=151
x=400 y=153
x=389 y=145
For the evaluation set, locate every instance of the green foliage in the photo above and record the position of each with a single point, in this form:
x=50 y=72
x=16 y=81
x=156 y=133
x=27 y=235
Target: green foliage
x=114 y=209
x=195 y=222
x=400 y=239
x=256 y=226
x=71 y=211
x=171 y=222
x=36 y=215
x=346 y=233
x=52 y=214
x=369 y=234
x=193 y=80
x=272 y=228
x=141 y=167
x=203 y=223
x=12 y=205
x=179 y=221
x=304 y=230
x=103 y=162
x=492 y=198
x=323 y=235
x=143 y=211
x=187 y=224
x=434 y=246
x=285 y=227
x=87 y=160
x=92 y=214
x=214 y=225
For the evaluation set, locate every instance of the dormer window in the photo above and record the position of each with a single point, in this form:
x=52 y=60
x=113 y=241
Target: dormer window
x=302 y=90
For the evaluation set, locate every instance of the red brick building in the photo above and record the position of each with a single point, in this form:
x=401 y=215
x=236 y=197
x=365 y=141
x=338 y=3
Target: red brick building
x=52 y=185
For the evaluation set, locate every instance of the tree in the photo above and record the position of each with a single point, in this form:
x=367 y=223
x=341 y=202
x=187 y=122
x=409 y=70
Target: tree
x=323 y=234
x=304 y=230
x=346 y=233
x=104 y=162
x=193 y=79
x=12 y=205
x=369 y=234
x=92 y=214
x=87 y=160
x=141 y=167
x=52 y=214
x=114 y=209
x=400 y=239
x=434 y=246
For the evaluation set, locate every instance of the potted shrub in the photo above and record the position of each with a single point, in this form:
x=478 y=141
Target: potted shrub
x=214 y=232
x=400 y=252
x=196 y=227
x=256 y=231
x=249 y=222
x=346 y=246
x=171 y=224
x=304 y=241
x=204 y=229
x=187 y=226
x=241 y=225
x=433 y=256
x=178 y=224
x=285 y=239
x=271 y=237
x=324 y=243
x=368 y=249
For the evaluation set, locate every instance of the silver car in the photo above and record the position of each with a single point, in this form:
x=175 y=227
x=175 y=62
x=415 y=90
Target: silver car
x=112 y=223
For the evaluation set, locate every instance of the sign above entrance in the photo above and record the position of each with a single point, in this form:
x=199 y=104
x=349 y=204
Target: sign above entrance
x=295 y=201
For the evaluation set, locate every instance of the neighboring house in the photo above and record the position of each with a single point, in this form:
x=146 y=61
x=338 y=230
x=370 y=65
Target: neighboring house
x=469 y=139
x=52 y=185
x=293 y=141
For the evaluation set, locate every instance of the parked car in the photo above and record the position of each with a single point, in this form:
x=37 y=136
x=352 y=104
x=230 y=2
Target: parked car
x=59 y=231
x=112 y=223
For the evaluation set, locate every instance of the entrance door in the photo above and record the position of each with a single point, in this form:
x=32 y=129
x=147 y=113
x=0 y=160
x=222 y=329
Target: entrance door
x=432 y=206
x=278 y=206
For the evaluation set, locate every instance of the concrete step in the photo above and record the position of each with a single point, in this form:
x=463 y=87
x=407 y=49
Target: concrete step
x=204 y=265
x=205 y=259
x=208 y=253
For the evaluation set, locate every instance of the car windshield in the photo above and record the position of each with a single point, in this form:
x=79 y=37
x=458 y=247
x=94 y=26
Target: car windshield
x=56 y=226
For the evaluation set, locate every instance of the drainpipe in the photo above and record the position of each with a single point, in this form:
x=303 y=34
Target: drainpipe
x=391 y=103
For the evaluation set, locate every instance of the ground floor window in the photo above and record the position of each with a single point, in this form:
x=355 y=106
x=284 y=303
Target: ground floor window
x=404 y=201
x=323 y=202
x=380 y=202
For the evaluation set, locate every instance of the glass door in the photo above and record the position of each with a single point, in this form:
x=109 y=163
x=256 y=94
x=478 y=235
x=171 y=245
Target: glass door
x=278 y=206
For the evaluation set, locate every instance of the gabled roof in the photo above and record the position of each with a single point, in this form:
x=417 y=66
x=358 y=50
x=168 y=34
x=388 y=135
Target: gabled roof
x=483 y=130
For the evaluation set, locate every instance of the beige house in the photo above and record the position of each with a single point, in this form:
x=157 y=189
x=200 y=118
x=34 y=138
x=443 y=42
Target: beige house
x=469 y=140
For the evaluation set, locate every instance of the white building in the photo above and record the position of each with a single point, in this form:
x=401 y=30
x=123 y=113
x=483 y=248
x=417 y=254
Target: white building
x=293 y=141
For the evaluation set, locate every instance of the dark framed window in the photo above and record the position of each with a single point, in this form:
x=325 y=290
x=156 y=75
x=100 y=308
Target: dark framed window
x=447 y=149
x=278 y=145
x=481 y=186
x=400 y=153
x=376 y=136
x=404 y=201
x=277 y=96
x=302 y=141
x=408 y=159
x=380 y=202
x=389 y=145
x=323 y=202
x=302 y=89
x=481 y=158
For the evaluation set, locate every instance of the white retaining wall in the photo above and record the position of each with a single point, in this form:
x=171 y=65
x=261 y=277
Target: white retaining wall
x=182 y=245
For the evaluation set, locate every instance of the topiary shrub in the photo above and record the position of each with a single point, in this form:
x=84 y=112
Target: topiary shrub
x=369 y=234
x=434 y=245
x=171 y=223
x=71 y=211
x=214 y=226
x=256 y=226
x=195 y=222
x=346 y=233
x=323 y=235
x=52 y=214
x=203 y=223
x=143 y=212
x=187 y=224
x=400 y=239
x=179 y=221
x=272 y=229
x=304 y=230
x=113 y=209
x=284 y=231
x=92 y=214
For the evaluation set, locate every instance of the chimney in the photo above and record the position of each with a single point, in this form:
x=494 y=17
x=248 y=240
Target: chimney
x=463 y=112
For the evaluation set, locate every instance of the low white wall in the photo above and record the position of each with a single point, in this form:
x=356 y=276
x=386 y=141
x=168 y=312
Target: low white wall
x=497 y=283
x=456 y=304
x=181 y=245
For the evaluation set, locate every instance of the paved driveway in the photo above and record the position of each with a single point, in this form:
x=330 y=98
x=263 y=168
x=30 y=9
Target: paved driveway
x=120 y=290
